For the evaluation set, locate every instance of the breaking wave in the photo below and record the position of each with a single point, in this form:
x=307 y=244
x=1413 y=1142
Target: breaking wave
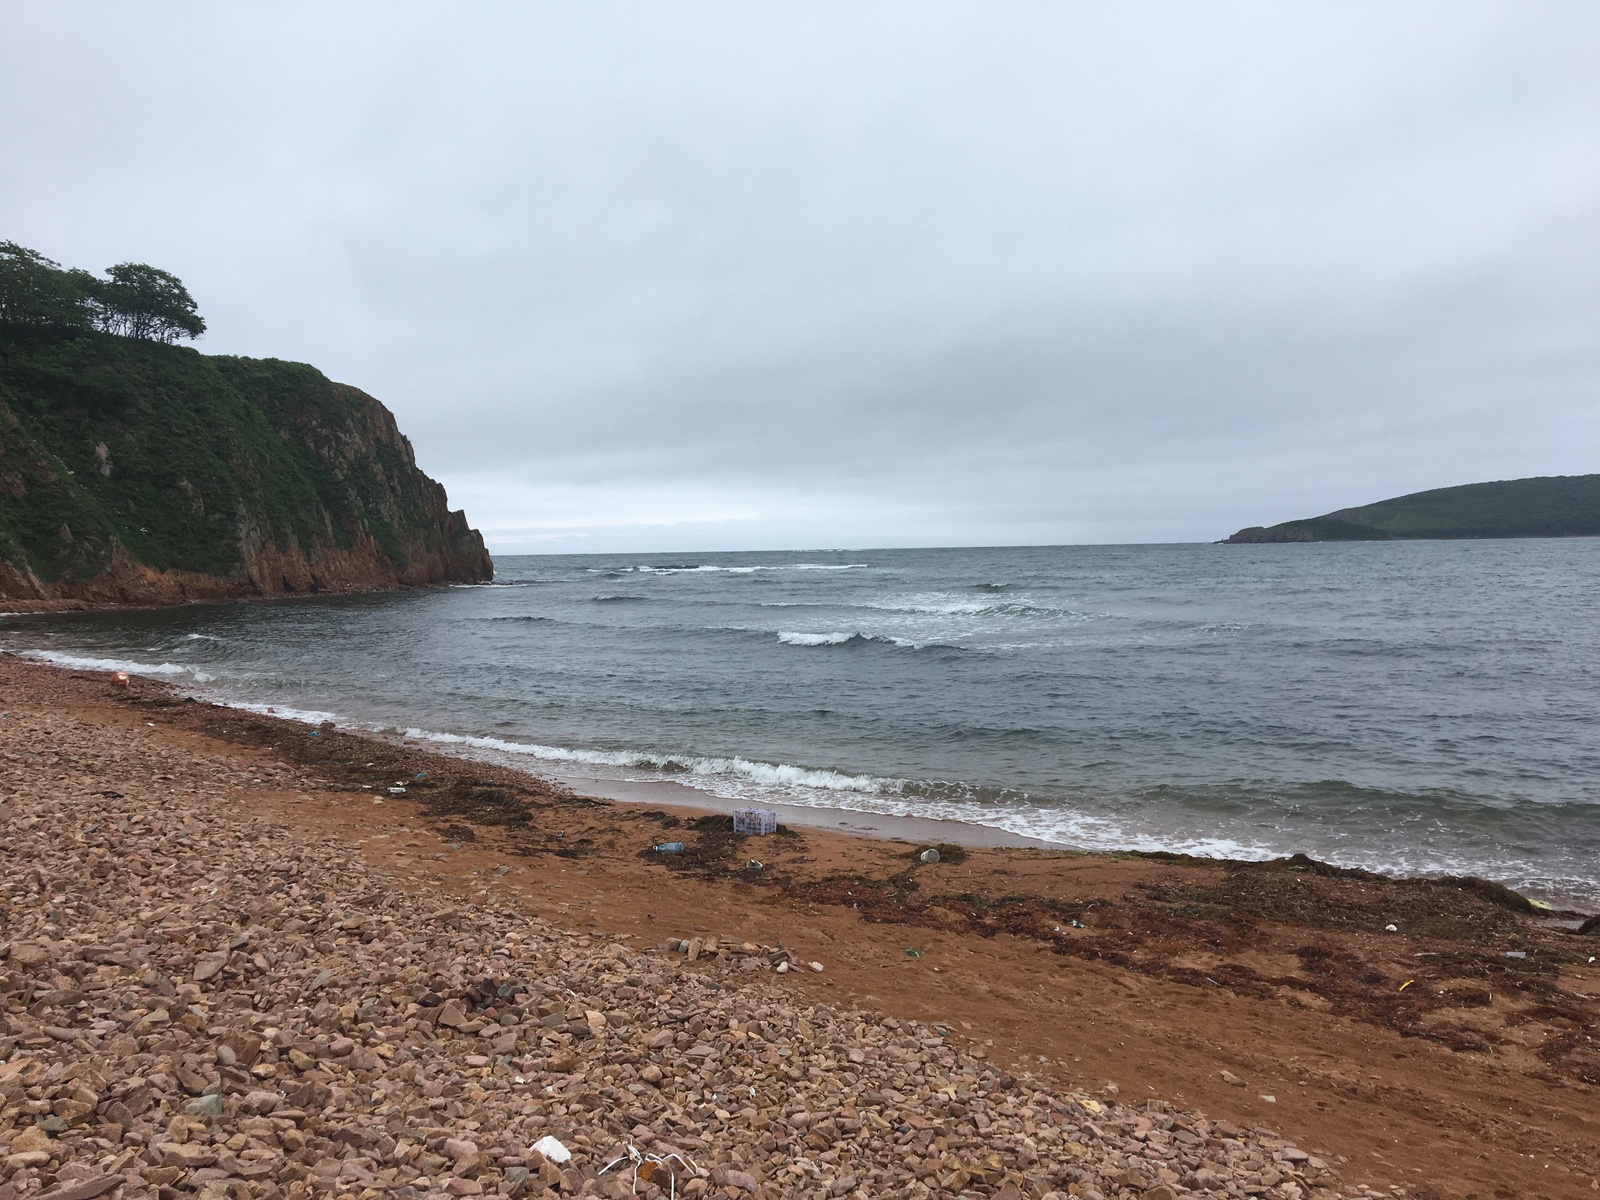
x=702 y=767
x=79 y=662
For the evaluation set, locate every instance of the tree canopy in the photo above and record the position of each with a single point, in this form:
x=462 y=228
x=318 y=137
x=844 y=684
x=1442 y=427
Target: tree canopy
x=134 y=300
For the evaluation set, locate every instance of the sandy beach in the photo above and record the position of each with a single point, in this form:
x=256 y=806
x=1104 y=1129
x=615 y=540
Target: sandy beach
x=1187 y=1025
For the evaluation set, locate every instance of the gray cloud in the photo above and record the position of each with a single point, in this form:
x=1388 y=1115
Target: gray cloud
x=722 y=275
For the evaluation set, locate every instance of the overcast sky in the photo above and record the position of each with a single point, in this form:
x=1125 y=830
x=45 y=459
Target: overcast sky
x=746 y=275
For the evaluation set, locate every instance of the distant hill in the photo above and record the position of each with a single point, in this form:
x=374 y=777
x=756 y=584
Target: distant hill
x=1545 y=506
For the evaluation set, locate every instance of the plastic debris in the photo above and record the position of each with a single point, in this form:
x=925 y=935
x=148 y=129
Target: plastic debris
x=1516 y=954
x=928 y=856
x=553 y=1150
x=668 y=848
x=913 y=953
x=1391 y=929
x=397 y=791
x=1407 y=984
x=756 y=821
x=119 y=679
x=754 y=864
x=648 y=1166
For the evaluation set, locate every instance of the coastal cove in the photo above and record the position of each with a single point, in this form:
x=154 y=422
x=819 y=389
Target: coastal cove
x=1264 y=1010
x=1408 y=708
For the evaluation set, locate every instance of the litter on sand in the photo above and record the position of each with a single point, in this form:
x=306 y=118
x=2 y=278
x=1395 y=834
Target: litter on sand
x=553 y=1150
x=668 y=848
x=755 y=821
x=648 y=1166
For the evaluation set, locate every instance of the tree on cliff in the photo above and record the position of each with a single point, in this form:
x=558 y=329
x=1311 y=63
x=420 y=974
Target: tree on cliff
x=35 y=290
x=144 y=302
x=134 y=300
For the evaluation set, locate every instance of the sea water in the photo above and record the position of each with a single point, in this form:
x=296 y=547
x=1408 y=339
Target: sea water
x=1408 y=706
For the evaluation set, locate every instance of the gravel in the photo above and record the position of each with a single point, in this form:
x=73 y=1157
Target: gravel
x=195 y=1002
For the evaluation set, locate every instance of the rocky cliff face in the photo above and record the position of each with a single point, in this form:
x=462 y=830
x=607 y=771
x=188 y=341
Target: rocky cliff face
x=138 y=473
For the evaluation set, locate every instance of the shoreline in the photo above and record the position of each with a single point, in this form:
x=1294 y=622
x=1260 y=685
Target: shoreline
x=907 y=827
x=69 y=605
x=904 y=828
x=1268 y=995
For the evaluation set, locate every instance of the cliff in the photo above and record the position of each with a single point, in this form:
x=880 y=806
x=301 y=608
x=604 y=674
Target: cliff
x=136 y=472
x=1544 y=506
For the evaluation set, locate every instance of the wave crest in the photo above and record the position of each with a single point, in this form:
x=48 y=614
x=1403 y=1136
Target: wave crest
x=80 y=662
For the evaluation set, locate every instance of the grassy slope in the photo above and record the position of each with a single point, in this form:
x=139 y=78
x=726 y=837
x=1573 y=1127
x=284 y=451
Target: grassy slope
x=1547 y=506
x=202 y=452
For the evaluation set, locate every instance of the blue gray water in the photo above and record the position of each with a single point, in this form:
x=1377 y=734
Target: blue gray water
x=1414 y=707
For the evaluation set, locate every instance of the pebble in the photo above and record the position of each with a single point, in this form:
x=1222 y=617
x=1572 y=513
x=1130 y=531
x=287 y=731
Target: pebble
x=197 y=1004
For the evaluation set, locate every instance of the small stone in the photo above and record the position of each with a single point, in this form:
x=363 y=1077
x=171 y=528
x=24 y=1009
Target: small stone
x=246 y=1047
x=85 y=1189
x=31 y=1139
x=816 y=966
x=742 y=1180
x=452 y=1016
x=204 y=1106
x=184 y=1154
x=1232 y=1080
x=29 y=954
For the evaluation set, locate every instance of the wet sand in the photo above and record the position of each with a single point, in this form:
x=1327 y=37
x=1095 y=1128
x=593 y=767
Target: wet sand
x=1453 y=1057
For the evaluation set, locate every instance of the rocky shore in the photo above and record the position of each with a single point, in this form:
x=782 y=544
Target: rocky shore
x=202 y=995
x=195 y=1003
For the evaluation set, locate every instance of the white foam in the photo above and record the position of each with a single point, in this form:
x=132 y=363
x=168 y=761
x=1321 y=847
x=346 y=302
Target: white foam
x=310 y=716
x=790 y=638
x=676 y=766
x=79 y=662
x=717 y=568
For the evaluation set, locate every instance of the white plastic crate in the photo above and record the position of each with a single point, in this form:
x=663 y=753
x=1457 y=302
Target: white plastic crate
x=758 y=821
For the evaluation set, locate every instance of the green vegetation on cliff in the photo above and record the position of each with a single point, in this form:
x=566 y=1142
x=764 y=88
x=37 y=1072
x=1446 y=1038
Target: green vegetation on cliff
x=134 y=470
x=1545 y=506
